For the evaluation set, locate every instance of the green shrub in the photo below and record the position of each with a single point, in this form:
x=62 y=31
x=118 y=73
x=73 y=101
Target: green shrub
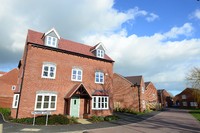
x=196 y=114
x=6 y=113
x=73 y=120
x=58 y=119
x=95 y=118
x=111 y=118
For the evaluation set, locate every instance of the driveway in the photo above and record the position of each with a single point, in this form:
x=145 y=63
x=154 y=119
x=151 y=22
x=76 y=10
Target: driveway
x=170 y=121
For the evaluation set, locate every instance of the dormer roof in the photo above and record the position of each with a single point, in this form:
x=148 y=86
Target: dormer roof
x=97 y=47
x=52 y=30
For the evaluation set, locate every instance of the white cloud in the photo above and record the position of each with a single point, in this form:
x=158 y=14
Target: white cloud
x=195 y=14
x=185 y=30
x=156 y=59
x=152 y=17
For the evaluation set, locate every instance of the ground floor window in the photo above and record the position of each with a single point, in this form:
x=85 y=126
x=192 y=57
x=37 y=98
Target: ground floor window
x=184 y=103
x=100 y=102
x=193 y=104
x=45 y=102
x=15 y=100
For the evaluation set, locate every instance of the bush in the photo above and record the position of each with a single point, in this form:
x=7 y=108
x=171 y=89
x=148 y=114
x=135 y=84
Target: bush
x=111 y=118
x=96 y=118
x=41 y=120
x=6 y=113
x=73 y=120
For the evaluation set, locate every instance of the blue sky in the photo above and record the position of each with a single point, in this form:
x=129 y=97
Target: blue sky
x=159 y=39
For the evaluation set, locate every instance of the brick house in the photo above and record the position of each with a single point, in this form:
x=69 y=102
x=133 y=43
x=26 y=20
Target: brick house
x=8 y=82
x=164 y=98
x=2 y=73
x=188 y=98
x=151 y=95
x=63 y=77
x=128 y=92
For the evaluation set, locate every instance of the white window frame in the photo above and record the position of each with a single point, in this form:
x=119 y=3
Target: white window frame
x=51 y=41
x=183 y=96
x=100 y=53
x=15 y=101
x=99 y=102
x=193 y=104
x=42 y=101
x=100 y=76
x=143 y=90
x=49 y=65
x=77 y=70
x=184 y=104
x=13 y=87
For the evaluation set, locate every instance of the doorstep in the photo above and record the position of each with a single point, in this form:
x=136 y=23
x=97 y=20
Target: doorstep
x=84 y=121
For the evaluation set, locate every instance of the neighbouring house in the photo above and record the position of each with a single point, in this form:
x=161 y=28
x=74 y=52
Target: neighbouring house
x=188 y=98
x=128 y=92
x=164 y=98
x=2 y=73
x=8 y=84
x=63 y=77
x=151 y=95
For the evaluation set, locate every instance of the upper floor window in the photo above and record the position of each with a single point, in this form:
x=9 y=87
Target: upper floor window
x=100 y=102
x=51 y=41
x=183 y=96
x=76 y=74
x=100 y=53
x=15 y=100
x=49 y=70
x=99 y=77
x=45 y=101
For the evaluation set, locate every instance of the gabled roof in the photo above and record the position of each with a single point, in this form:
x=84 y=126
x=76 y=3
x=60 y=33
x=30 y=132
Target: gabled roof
x=188 y=90
x=35 y=37
x=52 y=30
x=97 y=46
x=75 y=88
x=135 y=79
x=146 y=83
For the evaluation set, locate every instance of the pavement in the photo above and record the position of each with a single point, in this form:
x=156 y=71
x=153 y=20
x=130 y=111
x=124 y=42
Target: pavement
x=171 y=120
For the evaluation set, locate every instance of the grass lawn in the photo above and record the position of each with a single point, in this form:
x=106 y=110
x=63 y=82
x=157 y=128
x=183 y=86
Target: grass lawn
x=195 y=113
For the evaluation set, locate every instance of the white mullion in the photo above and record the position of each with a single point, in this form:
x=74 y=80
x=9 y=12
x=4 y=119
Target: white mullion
x=49 y=106
x=42 y=102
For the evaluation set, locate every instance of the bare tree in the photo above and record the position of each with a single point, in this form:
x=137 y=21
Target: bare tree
x=193 y=78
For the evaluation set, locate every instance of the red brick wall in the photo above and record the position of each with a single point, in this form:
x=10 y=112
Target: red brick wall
x=151 y=95
x=6 y=102
x=124 y=96
x=142 y=96
x=62 y=83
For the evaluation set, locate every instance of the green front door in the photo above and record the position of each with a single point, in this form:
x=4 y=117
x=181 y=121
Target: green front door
x=74 y=106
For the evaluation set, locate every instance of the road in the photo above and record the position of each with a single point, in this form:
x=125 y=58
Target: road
x=170 y=121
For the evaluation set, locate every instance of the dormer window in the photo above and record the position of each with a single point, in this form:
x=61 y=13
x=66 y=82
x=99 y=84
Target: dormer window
x=51 y=38
x=100 y=53
x=51 y=41
x=98 y=50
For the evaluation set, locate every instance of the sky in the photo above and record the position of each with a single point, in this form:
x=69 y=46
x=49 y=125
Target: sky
x=159 y=39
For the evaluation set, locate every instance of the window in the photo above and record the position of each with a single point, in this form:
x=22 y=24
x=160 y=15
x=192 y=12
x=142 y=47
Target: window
x=49 y=70
x=100 y=53
x=51 y=41
x=183 y=96
x=100 y=102
x=193 y=104
x=184 y=103
x=45 y=102
x=13 y=87
x=15 y=100
x=99 y=77
x=76 y=75
x=143 y=90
